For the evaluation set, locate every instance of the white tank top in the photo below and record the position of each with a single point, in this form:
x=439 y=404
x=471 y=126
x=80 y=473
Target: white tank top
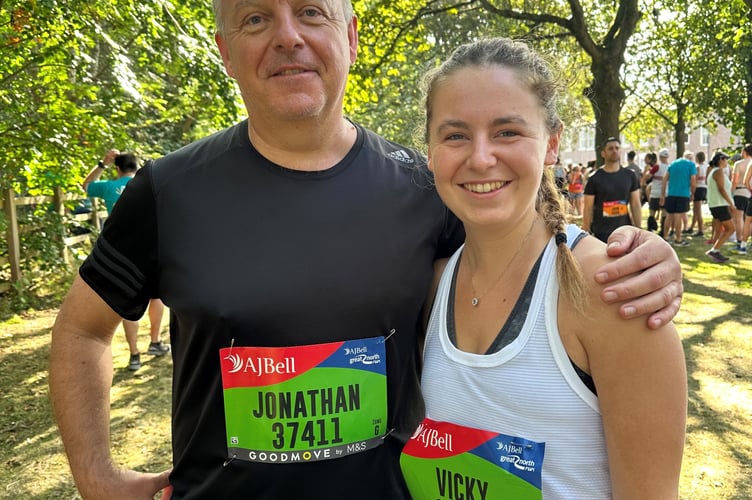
x=528 y=389
x=714 y=194
x=657 y=183
x=701 y=169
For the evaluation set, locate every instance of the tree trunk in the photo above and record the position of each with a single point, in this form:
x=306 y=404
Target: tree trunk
x=606 y=96
x=680 y=130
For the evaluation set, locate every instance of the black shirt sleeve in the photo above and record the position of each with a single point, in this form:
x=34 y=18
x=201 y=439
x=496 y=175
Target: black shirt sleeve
x=122 y=266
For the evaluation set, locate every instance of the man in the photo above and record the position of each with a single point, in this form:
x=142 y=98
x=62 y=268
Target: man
x=679 y=182
x=633 y=166
x=126 y=165
x=746 y=230
x=700 y=195
x=110 y=190
x=304 y=290
x=612 y=195
x=741 y=198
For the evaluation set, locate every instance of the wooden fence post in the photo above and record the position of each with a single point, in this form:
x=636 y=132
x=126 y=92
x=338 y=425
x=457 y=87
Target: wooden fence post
x=95 y=220
x=14 y=242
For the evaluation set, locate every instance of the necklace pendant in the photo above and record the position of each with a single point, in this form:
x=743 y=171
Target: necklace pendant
x=475 y=301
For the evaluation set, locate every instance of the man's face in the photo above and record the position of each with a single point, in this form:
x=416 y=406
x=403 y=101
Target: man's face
x=611 y=152
x=290 y=57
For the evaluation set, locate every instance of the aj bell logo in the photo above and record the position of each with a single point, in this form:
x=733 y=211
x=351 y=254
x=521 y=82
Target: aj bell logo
x=261 y=365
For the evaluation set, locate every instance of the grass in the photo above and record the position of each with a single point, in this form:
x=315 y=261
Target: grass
x=715 y=324
x=32 y=464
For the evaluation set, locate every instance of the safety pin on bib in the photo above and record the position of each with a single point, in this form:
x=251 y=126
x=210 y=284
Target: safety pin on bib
x=391 y=332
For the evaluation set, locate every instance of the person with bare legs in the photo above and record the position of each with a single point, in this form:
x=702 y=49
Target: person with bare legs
x=156 y=346
x=700 y=195
x=720 y=203
x=742 y=190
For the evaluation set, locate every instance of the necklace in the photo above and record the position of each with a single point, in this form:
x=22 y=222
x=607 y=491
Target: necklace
x=476 y=297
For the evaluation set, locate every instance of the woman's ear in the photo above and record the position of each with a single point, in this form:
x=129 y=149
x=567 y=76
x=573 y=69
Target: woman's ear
x=552 y=148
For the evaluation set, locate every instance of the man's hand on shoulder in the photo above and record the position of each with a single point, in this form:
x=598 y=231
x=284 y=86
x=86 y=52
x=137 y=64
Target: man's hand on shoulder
x=657 y=290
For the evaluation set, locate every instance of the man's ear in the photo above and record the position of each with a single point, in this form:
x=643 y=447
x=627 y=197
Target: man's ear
x=352 y=37
x=225 y=53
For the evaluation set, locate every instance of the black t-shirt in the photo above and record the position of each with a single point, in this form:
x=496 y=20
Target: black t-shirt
x=614 y=190
x=248 y=253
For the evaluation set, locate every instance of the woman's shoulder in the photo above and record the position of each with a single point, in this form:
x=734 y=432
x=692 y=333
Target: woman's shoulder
x=590 y=255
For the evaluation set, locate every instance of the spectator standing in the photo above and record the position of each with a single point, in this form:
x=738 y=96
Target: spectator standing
x=741 y=195
x=651 y=166
x=700 y=195
x=678 y=189
x=110 y=190
x=656 y=188
x=315 y=238
x=612 y=195
x=126 y=166
x=633 y=166
x=746 y=232
x=560 y=176
x=721 y=204
x=576 y=188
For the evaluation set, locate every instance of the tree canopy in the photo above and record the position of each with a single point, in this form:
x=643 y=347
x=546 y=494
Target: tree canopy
x=79 y=77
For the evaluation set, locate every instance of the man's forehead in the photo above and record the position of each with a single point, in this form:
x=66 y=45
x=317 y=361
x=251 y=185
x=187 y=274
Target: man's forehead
x=329 y=5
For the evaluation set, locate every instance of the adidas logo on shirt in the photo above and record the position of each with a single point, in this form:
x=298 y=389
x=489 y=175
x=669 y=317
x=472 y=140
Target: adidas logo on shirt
x=401 y=155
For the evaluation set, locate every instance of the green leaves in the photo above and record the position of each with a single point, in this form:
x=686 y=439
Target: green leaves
x=77 y=78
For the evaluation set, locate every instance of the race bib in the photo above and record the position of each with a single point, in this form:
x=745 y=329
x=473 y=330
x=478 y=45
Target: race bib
x=304 y=403
x=615 y=208
x=443 y=460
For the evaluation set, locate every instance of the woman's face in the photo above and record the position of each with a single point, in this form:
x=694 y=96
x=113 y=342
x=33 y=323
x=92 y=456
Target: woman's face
x=488 y=145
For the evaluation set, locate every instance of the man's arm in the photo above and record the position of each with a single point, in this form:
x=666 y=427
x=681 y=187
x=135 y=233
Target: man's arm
x=664 y=186
x=97 y=171
x=80 y=383
x=657 y=291
x=587 y=212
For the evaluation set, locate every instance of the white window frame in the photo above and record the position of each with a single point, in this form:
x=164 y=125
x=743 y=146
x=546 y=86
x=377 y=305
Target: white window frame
x=586 y=139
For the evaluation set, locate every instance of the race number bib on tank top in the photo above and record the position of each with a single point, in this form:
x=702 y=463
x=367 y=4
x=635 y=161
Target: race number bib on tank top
x=444 y=460
x=304 y=403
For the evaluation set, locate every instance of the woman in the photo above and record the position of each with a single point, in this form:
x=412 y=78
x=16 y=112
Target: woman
x=576 y=189
x=511 y=371
x=721 y=205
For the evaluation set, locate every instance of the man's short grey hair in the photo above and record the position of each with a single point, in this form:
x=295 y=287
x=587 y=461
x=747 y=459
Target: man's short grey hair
x=347 y=8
